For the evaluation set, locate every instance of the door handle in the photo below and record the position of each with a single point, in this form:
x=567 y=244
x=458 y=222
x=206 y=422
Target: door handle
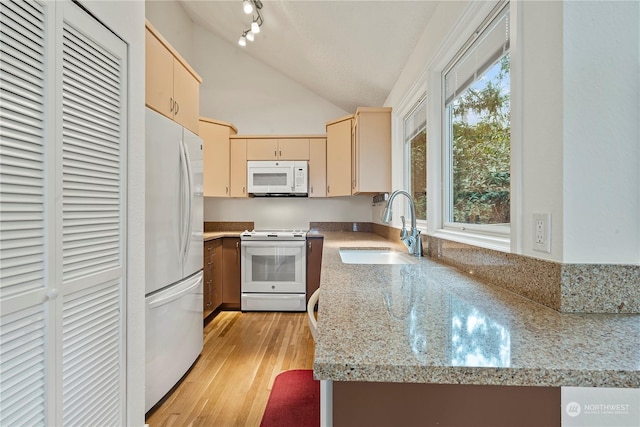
x=171 y=104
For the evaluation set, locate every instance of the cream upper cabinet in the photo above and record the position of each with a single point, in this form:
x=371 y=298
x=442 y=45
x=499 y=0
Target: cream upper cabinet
x=277 y=148
x=158 y=75
x=238 y=165
x=172 y=87
x=318 y=167
x=339 y=157
x=186 y=97
x=217 y=156
x=262 y=149
x=371 y=151
x=293 y=149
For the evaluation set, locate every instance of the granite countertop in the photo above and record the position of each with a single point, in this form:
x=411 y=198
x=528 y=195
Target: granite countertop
x=429 y=323
x=212 y=235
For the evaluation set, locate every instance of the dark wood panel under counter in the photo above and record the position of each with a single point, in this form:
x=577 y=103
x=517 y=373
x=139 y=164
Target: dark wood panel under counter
x=212 y=276
x=231 y=273
x=314 y=263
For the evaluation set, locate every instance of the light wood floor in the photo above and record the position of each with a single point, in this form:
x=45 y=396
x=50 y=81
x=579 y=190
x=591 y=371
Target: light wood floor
x=230 y=382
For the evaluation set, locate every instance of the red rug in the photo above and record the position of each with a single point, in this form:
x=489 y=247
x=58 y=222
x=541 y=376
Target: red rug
x=294 y=401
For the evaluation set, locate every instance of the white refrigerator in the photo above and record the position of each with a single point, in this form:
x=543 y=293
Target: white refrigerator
x=174 y=246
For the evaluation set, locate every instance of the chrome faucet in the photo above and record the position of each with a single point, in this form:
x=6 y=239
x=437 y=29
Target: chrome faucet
x=411 y=240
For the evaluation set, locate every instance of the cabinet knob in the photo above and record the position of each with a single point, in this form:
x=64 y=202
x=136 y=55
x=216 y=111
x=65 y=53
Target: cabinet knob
x=226 y=190
x=312 y=189
x=171 y=104
x=177 y=107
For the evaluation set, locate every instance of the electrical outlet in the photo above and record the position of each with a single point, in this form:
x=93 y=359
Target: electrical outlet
x=542 y=232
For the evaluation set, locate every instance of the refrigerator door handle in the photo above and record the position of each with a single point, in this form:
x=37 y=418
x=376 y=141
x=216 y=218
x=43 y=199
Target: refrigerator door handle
x=185 y=218
x=189 y=199
x=178 y=293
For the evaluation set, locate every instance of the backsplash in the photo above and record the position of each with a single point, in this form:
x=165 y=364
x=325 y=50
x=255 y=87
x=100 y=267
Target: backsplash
x=213 y=226
x=341 y=226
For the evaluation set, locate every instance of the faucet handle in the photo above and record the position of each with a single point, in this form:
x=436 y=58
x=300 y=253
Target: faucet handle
x=403 y=232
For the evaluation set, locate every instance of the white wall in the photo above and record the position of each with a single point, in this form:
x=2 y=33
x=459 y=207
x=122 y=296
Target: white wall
x=174 y=24
x=257 y=99
x=601 y=97
x=581 y=134
x=126 y=19
x=541 y=118
x=288 y=212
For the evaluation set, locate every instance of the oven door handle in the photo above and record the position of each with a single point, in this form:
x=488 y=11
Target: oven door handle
x=273 y=243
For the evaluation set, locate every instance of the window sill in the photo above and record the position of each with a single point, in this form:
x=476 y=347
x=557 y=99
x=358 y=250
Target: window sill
x=501 y=244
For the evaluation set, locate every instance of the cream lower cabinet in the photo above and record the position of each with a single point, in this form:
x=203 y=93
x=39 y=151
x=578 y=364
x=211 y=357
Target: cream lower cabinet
x=317 y=167
x=172 y=87
x=277 y=148
x=339 y=157
x=238 y=167
x=217 y=157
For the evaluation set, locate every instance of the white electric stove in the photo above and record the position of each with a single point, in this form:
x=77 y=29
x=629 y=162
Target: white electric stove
x=273 y=270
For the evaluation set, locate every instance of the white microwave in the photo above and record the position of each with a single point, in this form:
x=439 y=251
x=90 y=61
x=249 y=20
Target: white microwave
x=277 y=178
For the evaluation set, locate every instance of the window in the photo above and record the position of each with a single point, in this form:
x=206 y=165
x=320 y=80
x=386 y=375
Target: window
x=415 y=138
x=477 y=132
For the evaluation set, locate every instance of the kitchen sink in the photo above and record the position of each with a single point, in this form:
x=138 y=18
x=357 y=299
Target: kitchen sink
x=374 y=256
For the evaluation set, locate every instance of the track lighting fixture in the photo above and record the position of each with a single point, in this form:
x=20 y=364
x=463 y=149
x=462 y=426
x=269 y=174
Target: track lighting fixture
x=249 y=34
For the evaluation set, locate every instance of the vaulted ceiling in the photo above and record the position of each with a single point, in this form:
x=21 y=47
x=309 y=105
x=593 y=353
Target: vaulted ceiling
x=349 y=52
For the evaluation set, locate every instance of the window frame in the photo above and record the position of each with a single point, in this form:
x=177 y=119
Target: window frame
x=495 y=236
x=506 y=240
x=406 y=152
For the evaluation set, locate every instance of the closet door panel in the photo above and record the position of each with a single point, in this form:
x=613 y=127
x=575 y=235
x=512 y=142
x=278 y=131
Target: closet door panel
x=91 y=220
x=23 y=207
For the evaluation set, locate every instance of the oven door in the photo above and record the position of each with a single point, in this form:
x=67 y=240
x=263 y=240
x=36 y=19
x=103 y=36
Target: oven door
x=273 y=267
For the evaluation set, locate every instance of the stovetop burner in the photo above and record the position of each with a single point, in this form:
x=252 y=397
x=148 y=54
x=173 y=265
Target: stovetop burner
x=274 y=235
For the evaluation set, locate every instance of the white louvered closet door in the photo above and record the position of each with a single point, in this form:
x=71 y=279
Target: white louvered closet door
x=26 y=350
x=91 y=207
x=63 y=218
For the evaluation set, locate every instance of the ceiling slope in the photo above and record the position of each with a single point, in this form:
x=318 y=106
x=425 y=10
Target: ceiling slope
x=349 y=52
